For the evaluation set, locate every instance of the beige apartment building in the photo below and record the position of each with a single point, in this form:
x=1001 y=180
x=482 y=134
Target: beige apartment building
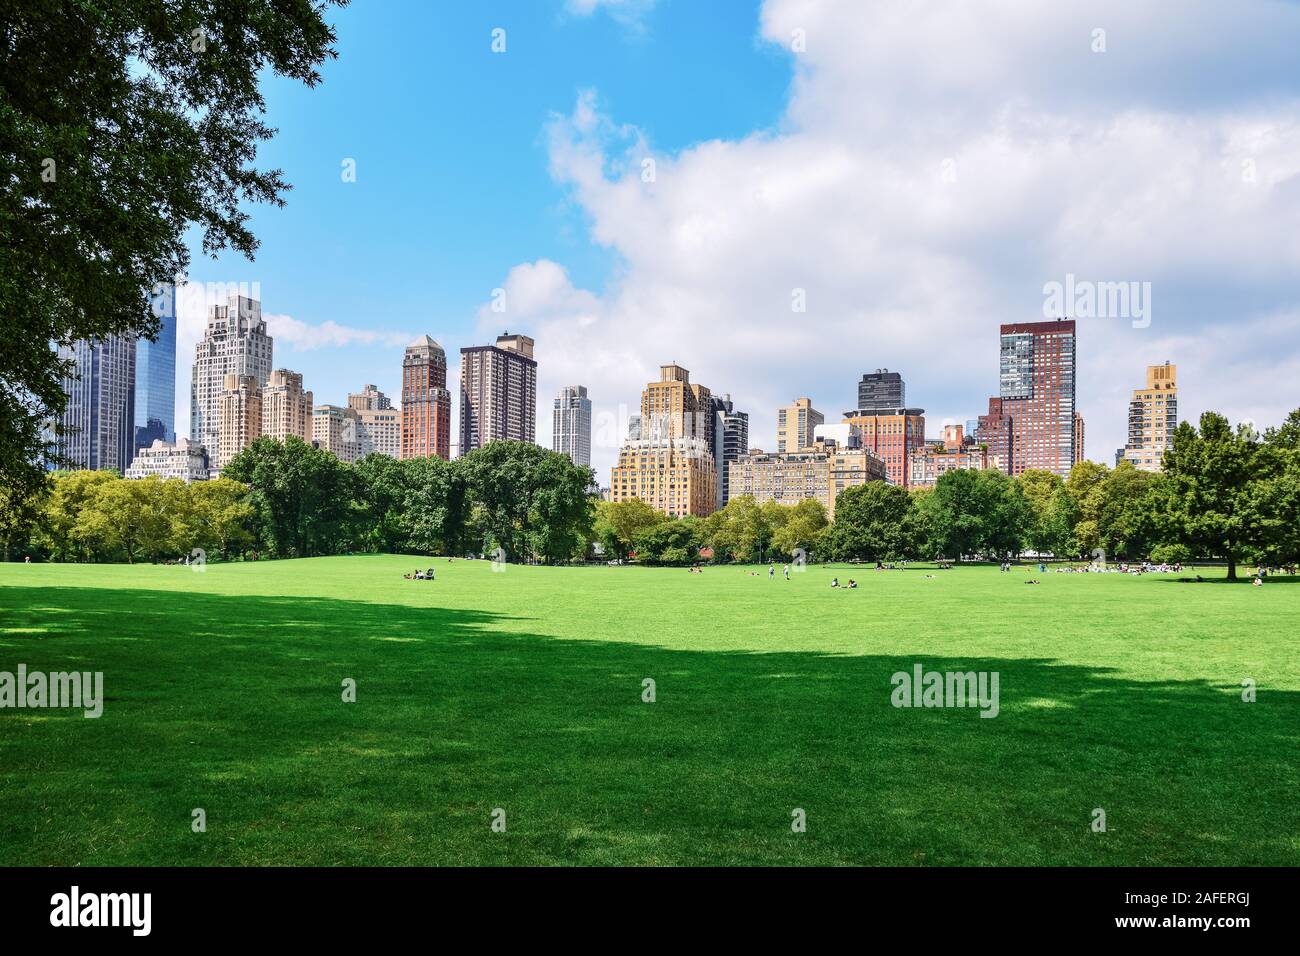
x=669 y=461
x=335 y=428
x=286 y=407
x=795 y=425
x=1152 y=418
x=498 y=392
x=239 y=410
x=819 y=471
x=379 y=425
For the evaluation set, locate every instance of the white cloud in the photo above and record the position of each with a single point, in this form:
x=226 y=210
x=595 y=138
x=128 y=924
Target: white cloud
x=937 y=164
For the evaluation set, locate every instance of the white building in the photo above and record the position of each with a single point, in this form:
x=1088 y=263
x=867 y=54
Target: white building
x=379 y=425
x=183 y=459
x=334 y=429
x=235 y=343
x=571 y=424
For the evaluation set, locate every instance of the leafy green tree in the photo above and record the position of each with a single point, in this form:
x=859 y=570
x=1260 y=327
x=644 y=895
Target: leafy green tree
x=744 y=530
x=1085 y=487
x=619 y=522
x=21 y=511
x=1213 y=500
x=303 y=496
x=977 y=512
x=220 y=517
x=804 y=529
x=676 y=541
x=433 y=506
x=121 y=125
x=71 y=494
x=139 y=518
x=1129 y=523
x=535 y=501
x=1277 y=492
x=873 y=522
x=381 y=492
x=1052 y=512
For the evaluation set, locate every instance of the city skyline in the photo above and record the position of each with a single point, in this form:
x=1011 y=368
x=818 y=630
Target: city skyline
x=546 y=204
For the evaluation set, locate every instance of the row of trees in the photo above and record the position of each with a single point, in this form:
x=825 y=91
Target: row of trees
x=1225 y=492
x=291 y=499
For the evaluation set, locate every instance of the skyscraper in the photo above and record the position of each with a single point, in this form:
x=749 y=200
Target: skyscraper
x=286 y=406
x=571 y=424
x=234 y=343
x=99 y=420
x=730 y=440
x=498 y=392
x=795 y=425
x=1037 y=378
x=240 y=416
x=1152 y=418
x=426 y=403
x=155 y=377
x=670 y=465
x=881 y=391
x=335 y=428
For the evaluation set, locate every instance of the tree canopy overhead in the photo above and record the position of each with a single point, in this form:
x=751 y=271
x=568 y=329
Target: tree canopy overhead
x=121 y=125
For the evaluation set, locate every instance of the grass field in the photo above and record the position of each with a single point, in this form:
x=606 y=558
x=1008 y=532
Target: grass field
x=522 y=690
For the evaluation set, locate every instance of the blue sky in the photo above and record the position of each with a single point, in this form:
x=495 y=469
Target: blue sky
x=452 y=185
x=919 y=172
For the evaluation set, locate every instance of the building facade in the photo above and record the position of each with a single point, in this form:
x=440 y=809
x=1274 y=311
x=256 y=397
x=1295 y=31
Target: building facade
x=336 y=429
x=892 y=435
x=234 y=343
x=181 y=459
x=286 y=406
x=1152 y=418
x=498 y=392
x=239 y=416
x=1037 y=381
x=881 y=391
x=819 y=471
x=994 y=431
x=426 y=403
x=955 y=451
x=98 y=422
x=730 y=441
x=155 y=376
x=795 y=425
x=571 y=424
x=379 y=425
x=670 y=464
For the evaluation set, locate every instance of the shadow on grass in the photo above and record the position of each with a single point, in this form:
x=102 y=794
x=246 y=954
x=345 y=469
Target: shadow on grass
x=233 y=704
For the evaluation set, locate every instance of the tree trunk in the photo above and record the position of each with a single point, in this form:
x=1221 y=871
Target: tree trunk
x=1232 y=568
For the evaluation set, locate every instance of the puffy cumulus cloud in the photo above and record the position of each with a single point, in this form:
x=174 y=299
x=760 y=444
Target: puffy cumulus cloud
x=937 y=165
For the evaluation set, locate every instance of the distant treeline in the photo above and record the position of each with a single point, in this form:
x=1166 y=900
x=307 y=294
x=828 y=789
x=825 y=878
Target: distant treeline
x=1226 y=493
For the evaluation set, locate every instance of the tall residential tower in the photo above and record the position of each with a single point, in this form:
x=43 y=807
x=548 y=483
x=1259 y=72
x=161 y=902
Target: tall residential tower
x=498 y=392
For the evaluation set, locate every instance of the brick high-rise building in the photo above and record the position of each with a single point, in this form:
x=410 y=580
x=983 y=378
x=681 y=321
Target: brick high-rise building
x=426 y=403
x=1152 y=418
x=995 y=431
x=892 y=435
x=498 y=392
x=1037 y=378
x=234 y=343
x=955 y=451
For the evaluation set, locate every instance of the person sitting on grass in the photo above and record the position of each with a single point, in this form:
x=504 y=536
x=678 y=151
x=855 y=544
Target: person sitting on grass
x=852 y=583
x=429 y=575
x=835 y=582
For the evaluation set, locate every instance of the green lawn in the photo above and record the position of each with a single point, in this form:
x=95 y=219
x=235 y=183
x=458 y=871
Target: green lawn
x=522 y=690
